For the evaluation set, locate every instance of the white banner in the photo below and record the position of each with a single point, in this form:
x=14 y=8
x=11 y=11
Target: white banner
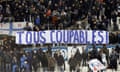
x=19 y=25
x=14 y=32
x=63 y=36
x=4 y=32
x=12 y=28
x=96 y=65
x=4 y=25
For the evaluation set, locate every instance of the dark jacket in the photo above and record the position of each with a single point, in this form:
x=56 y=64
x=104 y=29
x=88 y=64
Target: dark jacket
x=44 y=61
x=72 y=62
x=60 y=60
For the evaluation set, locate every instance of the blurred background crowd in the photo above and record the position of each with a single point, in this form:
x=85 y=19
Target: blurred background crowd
x=62 y=14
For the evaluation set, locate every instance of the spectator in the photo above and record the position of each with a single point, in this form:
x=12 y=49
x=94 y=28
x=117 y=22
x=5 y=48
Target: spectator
x=104 y=58
x=105 y=22
x=37 y=21
x=72 y=63
x=8 y=60
x=117 y=50
x=15 y=64
x=23 y=62
x=27 y=27
x=113 y=60
x=26 y=66
x=40 y=54
x=8 y=10
x=51 y=63
x=48 y=13
x=114 y=19
x=44 y=62
x=106 y=51
x=74 y=50
x=77 y=56
x=84 y=58
x=29 y=59
x=56 y=55
x=35 y=63
x=49 y=50
x=60 y=62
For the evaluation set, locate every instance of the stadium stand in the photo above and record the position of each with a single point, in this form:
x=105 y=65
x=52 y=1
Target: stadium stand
x=53 y=15
x=61 y=13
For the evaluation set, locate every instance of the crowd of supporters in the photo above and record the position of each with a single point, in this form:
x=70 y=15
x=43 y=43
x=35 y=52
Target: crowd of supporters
x=61 y=13
x=14 y=58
